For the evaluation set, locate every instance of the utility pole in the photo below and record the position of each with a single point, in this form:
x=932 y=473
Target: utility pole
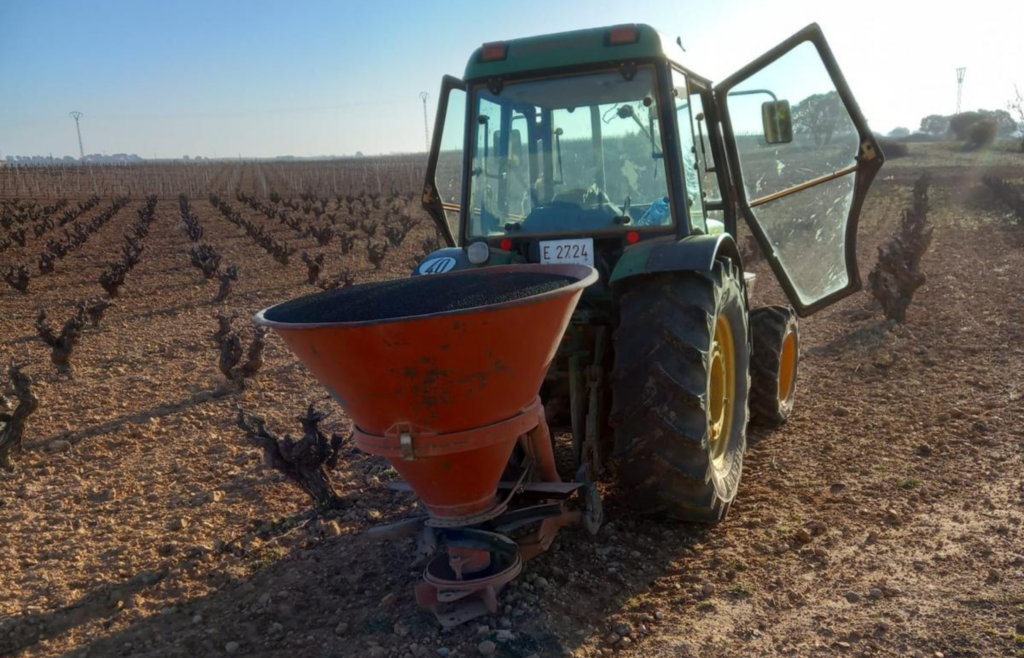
x=960 y=74
x=426 y=131
x=76 y=115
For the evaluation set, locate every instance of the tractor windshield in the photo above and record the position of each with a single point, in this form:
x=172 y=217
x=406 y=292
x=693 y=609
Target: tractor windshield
x=568 y=155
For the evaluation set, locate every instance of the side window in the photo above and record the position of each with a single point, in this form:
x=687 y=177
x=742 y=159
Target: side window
x=688 y=151
x=706 y=161
x=451 y=146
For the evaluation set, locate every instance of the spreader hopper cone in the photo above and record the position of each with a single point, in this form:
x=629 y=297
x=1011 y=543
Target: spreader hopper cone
x=436 y=371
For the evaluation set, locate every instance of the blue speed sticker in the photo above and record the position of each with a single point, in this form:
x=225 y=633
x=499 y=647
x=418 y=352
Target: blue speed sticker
x=437 y=265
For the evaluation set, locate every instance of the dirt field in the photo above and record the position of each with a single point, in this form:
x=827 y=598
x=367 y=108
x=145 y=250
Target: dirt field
x=884 y=520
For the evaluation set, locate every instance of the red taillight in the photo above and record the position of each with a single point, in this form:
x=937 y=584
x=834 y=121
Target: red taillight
x=506 y=244
x=494 y=51
x=622 y=35
x=632 y=237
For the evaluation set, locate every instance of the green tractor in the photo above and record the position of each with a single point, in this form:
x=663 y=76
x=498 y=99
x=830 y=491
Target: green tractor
x=599 y=147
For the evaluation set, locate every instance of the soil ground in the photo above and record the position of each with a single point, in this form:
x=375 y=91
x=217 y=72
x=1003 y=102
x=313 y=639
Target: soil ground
x=884 y=520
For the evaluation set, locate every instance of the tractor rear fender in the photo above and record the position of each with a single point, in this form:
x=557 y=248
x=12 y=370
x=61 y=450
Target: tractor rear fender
x=451 y=259
x=695 y=252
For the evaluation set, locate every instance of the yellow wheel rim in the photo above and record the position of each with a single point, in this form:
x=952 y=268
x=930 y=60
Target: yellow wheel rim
x=787 y=369
x=722 y=390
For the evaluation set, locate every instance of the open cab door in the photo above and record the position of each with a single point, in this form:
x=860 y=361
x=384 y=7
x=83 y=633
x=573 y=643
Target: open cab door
x=803 y=159
x=442 y=189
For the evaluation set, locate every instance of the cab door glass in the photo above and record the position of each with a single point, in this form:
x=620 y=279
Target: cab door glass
x=688 y=151
x=799 y=191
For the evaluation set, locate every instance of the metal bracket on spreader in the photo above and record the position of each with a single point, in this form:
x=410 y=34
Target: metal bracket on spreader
x=557 y=490
x=455 y=598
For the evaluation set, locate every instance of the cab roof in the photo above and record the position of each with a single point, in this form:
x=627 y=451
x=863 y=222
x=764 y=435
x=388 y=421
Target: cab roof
x=575 y=48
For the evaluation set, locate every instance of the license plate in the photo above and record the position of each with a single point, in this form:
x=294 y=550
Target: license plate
x=577 y=252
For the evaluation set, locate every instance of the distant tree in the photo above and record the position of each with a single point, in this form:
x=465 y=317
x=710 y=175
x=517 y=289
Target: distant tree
x=935 y=124
x=961 y=123
x=1002 y=124
x=892 y=148
x=899 y=132
x=821 y=115
x=1006 y=125
x=982 y=133
x=1016 y=106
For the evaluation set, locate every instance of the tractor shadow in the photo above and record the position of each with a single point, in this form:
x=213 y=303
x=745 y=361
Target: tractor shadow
x=757 y=435
x=297 y=587
x=320 y=595
x=861 y=339
x=296 y=602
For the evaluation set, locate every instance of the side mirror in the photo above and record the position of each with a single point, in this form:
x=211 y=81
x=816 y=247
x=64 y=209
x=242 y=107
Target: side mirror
x=778 y=122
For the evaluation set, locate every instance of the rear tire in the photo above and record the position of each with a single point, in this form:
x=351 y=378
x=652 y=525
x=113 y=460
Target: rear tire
x=775 y=335
x=680 y=433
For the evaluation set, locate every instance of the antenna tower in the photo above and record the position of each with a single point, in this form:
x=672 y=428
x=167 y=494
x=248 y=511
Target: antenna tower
x=76 y=115
x=426 y=131
x=960 y=74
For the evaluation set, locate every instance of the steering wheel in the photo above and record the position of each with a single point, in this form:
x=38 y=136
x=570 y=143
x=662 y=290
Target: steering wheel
x=594 y=195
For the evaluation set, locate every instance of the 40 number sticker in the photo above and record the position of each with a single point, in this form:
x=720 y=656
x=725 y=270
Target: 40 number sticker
x=438 y=265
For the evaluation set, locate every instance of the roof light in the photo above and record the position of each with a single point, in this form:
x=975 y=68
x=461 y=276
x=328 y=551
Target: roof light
x=632 y=237
x=494 y=51
x=622 y=35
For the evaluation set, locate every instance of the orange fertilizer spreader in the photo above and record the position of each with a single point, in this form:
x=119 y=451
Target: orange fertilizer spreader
x=440 y=375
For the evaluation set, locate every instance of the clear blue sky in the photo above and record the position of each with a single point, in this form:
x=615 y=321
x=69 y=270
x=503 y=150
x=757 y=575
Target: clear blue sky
x=314 y=78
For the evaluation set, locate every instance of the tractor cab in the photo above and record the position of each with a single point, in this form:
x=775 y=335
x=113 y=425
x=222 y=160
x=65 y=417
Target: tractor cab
x=599 y=147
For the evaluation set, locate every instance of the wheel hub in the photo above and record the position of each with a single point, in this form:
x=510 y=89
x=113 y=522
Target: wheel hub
x=787 y=369
x=721 y=390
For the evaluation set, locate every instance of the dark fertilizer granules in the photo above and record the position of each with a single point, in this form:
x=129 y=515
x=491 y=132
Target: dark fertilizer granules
x=420 y=295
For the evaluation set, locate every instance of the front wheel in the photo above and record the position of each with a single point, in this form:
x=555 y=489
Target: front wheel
x=680 y=386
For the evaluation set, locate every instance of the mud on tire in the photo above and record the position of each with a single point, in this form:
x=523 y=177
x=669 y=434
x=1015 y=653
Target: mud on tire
x=661 y=386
